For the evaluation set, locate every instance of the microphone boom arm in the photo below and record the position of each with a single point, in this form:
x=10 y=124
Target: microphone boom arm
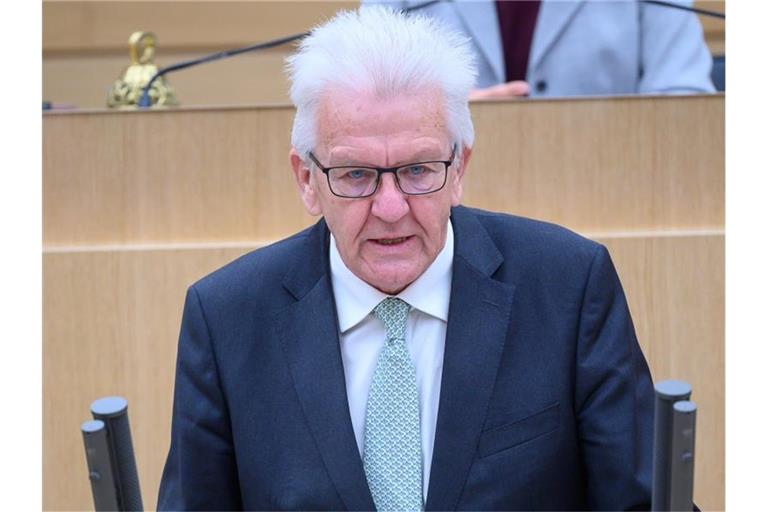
x=144 y=101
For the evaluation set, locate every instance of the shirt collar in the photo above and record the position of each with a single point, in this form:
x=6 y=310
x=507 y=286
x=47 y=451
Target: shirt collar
x=430 y=293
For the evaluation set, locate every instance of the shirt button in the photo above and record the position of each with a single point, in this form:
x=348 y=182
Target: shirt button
x=541 y=86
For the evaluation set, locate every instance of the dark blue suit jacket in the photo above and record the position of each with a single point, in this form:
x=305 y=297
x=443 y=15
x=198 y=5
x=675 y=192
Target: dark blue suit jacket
x=546 y=399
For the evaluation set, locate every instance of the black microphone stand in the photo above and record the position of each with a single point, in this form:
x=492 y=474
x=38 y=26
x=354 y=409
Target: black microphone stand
x=703 y=12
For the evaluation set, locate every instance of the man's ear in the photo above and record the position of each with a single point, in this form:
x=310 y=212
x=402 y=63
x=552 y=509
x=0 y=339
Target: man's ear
x=457 y=175
x=304 y=181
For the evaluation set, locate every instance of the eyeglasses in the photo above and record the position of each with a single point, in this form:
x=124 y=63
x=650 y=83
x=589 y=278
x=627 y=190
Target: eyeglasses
x=413 y=179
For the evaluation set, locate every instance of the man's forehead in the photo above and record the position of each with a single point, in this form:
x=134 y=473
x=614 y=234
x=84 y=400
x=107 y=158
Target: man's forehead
x=346 y=106
x=350 y=121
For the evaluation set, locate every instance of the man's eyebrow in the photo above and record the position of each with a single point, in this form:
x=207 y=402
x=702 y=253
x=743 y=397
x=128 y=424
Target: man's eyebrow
x=350 y=162
x=425 y=155
x=430 y=155
x=345 y=158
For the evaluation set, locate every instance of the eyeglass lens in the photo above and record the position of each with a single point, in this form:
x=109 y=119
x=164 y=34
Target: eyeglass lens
x=421 y=178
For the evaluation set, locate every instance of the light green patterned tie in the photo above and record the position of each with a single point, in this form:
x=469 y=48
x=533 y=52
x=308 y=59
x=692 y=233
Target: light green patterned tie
x=392 y=456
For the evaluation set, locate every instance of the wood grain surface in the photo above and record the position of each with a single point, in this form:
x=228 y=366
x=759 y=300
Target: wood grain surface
x=206 y=174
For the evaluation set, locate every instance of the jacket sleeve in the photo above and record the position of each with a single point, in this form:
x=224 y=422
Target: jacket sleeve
x=674 y=56
x=614 y=396
x=200 y=472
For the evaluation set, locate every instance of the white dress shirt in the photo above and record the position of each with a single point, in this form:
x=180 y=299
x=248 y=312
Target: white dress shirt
x=362 y=337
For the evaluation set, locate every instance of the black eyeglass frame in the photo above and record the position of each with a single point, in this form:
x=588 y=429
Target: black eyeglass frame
x=382 y=170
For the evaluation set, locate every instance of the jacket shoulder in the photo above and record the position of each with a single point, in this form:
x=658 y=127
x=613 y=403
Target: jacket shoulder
x=250 y=275
x=523 y=234
x=534 y=251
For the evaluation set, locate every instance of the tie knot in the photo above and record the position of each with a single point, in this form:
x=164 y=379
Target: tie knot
x=394 y=313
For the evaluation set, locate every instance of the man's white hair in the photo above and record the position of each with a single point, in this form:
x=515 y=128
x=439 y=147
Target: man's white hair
x=385 y=52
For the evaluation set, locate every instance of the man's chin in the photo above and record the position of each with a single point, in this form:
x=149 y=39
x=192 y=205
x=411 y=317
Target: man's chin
x=390 y=282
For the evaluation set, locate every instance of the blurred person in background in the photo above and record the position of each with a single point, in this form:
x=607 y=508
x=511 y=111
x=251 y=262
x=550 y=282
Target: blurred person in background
x=556 y=48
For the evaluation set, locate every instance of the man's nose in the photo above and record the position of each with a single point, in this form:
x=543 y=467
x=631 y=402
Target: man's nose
x=389 y=203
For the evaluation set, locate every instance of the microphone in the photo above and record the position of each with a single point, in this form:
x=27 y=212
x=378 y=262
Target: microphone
x=145 y=101
x=110 y=457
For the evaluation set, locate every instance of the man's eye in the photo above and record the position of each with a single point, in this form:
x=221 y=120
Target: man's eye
x=355 y=174
x=415 y=170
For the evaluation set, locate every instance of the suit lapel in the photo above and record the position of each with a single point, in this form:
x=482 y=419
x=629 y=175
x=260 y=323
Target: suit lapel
x=553 y=18
x=481 y=21
x=308 y=330
x=478 y=322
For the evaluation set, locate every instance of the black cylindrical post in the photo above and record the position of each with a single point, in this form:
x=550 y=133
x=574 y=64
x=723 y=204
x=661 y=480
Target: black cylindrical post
x=682 y=456
x=99 y=467
x=113 y=411
x=667 y=393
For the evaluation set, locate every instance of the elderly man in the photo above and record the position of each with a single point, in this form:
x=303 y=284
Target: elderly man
x=405 y=352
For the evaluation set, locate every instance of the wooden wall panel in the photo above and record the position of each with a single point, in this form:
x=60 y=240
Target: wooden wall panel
x=72 y=26
x=609 y=164
x=675 y=286
x=596 y=165
x=164 y=177
x=111 y=321
x=85 y=81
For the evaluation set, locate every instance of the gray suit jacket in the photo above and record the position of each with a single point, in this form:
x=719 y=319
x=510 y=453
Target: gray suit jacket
x=585 y=47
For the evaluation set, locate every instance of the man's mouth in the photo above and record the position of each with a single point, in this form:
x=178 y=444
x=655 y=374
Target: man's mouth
x=391 y=241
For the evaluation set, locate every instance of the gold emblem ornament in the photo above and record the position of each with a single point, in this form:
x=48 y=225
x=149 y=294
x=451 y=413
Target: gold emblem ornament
x=127 y=90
